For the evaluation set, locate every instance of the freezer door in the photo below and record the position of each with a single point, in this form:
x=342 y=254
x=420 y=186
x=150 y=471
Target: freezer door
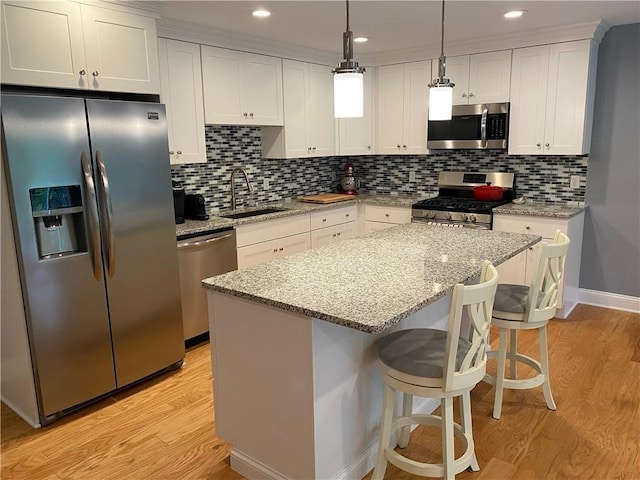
x=131 y=158
x=44 y=139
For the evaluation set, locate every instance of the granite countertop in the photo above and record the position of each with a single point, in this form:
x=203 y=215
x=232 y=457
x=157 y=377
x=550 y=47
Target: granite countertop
x=540 y=210
x=291 y=207
x=372 y=282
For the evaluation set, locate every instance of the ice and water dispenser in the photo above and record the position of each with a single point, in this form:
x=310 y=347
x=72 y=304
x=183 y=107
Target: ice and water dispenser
x=58 y=220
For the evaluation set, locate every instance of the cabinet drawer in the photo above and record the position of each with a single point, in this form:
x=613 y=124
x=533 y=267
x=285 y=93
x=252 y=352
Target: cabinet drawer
x=329 y=218
x=374 y=213
x=262 y=252
x=271 y=229
x=545 y=227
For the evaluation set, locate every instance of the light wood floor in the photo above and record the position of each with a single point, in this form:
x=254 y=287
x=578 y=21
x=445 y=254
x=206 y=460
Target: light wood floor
x=165 y=429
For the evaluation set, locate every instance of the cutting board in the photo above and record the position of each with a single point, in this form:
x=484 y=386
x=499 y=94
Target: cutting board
x=326 y=198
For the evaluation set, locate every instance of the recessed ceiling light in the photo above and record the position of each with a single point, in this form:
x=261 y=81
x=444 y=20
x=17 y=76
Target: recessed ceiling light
x=360 y=39
x=514 y=14
x=261 y=13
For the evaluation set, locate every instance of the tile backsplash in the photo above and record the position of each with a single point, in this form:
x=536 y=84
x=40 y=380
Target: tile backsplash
x=539 y=178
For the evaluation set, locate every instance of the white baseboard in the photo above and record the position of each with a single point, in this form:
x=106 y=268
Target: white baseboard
x=609 y=300
x=252 y=469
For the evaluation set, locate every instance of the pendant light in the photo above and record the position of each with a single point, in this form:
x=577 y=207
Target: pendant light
x=441 y=89
x=348 y=80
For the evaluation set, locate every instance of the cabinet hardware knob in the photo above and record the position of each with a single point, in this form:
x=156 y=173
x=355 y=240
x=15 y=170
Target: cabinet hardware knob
x=333 y=235
x=281 y=249
x=275 y=250
x=338 y=234
x=82 y=72
x=528 y=227
x=546 y=145
x=308 y=149
x=170 y=152
x=95 y=73
x=314 y=149
x=346 y=214
x=245 y=114
x=538 y=145
x=464 y=95
x=368 y=147
x=251 y=114
x=179 y=152
x=386 y=214
x=398 y=146
x=404 y=146
x=324 y=219
x=470 y=95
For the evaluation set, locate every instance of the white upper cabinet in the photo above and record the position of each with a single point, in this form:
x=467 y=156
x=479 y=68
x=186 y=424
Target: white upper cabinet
x=309 y=125
x=401 y=105
x=181 y=82
x=241 y=88
x=69 y=45
x=480 y=78
x=552 y=96
x=356 y=134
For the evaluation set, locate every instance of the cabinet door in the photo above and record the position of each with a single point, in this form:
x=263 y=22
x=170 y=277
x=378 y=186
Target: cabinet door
x=321 y=126
x=121 y=51
x=416 y=103
x=356 y=134
x=528 y=99
x=513 y=271
x=257 y=253
x=323 y=237
x=490 y=77
x=390 y=109
x=566 y=98
x=263 y=89
x=295 y=79
x=346 y=231
x=293 y=244
x=42 y=44
x=181 y=83
x=223 y=86
x=457 y=70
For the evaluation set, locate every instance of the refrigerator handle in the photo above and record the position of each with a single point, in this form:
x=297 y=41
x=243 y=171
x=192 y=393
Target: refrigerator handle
x=94 y=226
x=106 y=203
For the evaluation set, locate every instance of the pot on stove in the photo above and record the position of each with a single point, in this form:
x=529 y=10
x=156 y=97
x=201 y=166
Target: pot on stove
x=488 y=193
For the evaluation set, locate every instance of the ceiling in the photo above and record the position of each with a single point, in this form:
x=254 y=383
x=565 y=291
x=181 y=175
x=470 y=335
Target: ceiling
x=392 y=25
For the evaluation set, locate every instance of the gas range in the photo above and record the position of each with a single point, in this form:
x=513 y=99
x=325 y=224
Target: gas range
x=455 y=205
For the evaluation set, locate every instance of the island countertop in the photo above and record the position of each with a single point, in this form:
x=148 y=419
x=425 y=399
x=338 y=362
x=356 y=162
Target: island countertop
x=372 y=282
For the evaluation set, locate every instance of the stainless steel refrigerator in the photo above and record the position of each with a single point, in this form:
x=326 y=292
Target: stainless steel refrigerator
x=92 y=213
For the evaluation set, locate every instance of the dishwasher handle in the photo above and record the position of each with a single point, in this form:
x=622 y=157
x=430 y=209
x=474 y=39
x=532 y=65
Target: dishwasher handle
x=201 y=241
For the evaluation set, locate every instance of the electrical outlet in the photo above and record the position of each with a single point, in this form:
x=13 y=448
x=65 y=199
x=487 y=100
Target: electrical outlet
x=412 y=176
x=265 y=184
x=574 y=181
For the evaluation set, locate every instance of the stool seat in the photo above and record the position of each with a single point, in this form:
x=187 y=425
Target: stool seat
x=436 y=364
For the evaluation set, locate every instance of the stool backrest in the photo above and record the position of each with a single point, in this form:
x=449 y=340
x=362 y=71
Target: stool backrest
x=478 y=302
x=542 y=299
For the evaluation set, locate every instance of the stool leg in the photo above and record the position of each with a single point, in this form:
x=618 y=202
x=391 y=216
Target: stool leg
x=385 y=432
x=407 y=409
x=544 y=366
x=502 y=359
x=465 y=415
x=513 y=348
x=448 y=454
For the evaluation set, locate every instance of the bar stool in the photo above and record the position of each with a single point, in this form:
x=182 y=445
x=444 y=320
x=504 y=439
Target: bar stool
x=518 y=307
x=437 y=364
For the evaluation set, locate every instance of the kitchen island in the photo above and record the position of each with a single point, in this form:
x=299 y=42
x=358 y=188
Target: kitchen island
x=297 y=390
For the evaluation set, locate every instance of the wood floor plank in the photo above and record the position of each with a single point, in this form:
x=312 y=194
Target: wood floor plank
x=165 y=429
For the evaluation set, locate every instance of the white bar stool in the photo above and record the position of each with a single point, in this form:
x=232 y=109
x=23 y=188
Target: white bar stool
x=437 y=364
x=518 y=307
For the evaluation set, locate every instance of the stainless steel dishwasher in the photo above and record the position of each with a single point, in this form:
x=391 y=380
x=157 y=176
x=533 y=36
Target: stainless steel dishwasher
x=200 y=257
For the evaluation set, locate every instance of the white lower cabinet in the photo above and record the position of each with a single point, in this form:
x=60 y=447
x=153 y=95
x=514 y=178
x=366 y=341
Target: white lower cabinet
x=520 y=269
x=333 y=226
x=378 y=217
x=264 y=241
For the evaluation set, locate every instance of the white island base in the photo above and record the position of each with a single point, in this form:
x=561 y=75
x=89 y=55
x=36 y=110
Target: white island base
x=297 y=397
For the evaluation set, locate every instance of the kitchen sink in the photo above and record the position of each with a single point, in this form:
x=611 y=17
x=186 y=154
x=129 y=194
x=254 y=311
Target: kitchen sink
x=252 y=213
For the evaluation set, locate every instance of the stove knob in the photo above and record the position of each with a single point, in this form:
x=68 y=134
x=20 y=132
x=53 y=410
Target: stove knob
x=465 y=217
x=472 y=218
x=448 y=216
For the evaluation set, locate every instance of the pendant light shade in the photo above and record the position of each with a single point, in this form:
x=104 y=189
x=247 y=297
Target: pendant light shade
x=348 y=80
x=441 y=89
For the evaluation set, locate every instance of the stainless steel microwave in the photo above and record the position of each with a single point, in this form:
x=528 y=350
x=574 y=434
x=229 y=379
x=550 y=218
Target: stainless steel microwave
x=481 y=126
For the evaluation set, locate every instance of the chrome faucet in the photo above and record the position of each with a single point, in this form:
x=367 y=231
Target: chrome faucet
x=233 y=190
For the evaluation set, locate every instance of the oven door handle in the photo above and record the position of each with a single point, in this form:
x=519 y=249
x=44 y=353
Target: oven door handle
x=483 y=126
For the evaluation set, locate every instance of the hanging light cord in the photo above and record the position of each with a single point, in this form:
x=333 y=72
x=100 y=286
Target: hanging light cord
x=348 y=65
x=442 y=59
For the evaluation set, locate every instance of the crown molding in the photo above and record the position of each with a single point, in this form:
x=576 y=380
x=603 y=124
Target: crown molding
x=190 y=32
x=148 y=9
x=543 y=36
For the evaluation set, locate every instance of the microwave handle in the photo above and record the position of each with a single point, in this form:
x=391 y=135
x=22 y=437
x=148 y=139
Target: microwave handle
x=483 y=126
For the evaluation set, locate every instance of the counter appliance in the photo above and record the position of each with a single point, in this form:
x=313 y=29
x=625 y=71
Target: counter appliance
x=89 y=187
x=455 y=205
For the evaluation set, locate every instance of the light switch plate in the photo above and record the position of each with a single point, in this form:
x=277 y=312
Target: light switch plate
x=412 y=176
x=574 y=181
x=265 y=184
